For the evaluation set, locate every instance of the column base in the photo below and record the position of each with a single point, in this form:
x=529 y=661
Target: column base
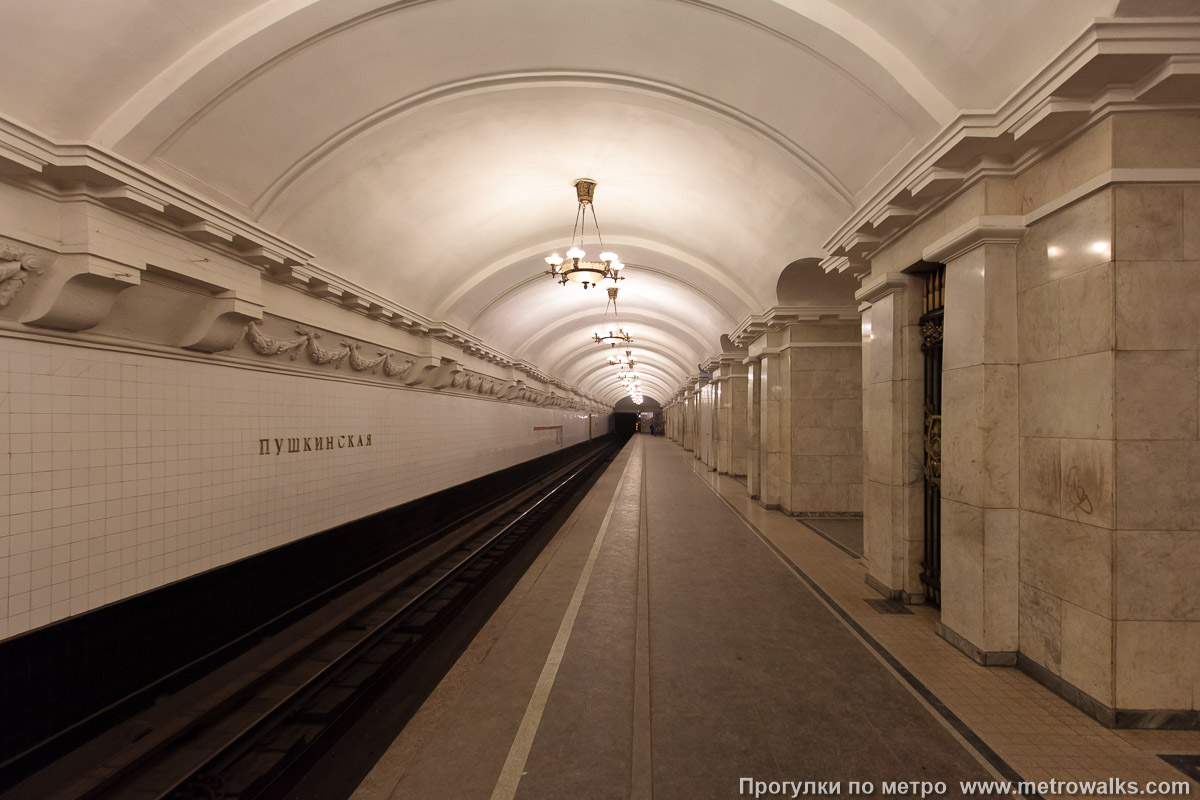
x=988 y=658
x=883 y=588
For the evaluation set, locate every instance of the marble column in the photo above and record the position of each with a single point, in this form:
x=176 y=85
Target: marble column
x=774 y=390
x=730 y=383
x=980 y=447
x=821 y=418
x=893 y=453
x=753 y=426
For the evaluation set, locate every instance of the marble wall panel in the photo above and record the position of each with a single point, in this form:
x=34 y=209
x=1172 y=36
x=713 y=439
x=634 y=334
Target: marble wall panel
x=1087 y=652
x=1067 y=397
x=1155 y=394
x=980 y=458
x=877 y=529
x=1086 y=481
x=1069 y=241
x=1041 y=481
x=1148 y=223
x=962 y=569
x=1157 y=575
x=1155 y=664
x=1001 y=579
x=1156 y=485
x=1191 y=223
x=1068 y=559
x=1156 y=139
x=1156 y=305
x=1041 y=627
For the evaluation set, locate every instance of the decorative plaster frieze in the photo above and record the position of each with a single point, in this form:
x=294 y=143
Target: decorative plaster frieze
x=81 y=299
x=424 y=371
x=16 y=266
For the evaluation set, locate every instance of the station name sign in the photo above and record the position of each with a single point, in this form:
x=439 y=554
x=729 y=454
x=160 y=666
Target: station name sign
x=306 y=444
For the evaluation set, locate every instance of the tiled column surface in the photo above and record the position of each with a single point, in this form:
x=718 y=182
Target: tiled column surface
x=1110 y=457
x=893 y=453
x=822 y=418
x=980 y=458
x=753 y=426
x=122 y=472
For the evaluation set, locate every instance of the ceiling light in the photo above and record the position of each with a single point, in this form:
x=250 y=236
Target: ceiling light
x=574 y=267
x=611 y=333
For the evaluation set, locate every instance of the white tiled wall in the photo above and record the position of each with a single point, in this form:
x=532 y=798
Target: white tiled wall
x=120 y=472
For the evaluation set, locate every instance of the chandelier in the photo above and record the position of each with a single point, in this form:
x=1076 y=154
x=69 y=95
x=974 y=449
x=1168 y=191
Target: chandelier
x=611 y=332
x=626 y=360
x=574 y=268
x=632 y=385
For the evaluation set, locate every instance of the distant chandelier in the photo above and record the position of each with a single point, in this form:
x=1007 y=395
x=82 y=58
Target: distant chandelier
x=574 y=268
x=624 y=361
x=611 y=332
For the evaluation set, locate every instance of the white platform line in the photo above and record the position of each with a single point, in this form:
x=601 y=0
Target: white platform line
x=518 y=754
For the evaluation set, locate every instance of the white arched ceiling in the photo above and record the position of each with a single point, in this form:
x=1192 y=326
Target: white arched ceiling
x=425 y=149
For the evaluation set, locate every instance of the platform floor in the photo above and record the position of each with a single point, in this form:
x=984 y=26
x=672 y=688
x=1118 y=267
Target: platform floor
x=675 y=638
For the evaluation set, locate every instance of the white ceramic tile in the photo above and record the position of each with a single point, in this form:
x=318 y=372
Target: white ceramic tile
x=125 y=472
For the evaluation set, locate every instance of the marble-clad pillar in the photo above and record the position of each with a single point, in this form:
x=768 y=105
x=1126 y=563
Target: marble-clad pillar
x=980 y=448
x=773 y=389
x=822 y=418
x=892 y=381
x=730 y=381
x=753 y=428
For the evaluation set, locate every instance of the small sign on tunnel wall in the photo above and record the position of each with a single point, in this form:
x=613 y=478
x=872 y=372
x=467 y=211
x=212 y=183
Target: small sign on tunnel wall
x=558 y=432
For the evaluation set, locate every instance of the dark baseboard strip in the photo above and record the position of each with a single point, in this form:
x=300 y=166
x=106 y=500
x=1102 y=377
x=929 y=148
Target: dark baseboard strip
x=987 y=658
x=1153 y=719
x=831 y=540
x=883 y=588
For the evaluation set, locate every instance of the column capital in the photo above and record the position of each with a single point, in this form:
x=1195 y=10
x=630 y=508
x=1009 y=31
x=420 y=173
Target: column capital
x=994 y=229
x=881 y=286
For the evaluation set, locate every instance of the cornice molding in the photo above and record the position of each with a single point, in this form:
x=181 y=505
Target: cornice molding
x=779 y=317
x=81 y=171
x=1058 y=102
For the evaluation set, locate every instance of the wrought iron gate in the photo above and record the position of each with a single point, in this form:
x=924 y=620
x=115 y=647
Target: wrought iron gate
x=933 y=307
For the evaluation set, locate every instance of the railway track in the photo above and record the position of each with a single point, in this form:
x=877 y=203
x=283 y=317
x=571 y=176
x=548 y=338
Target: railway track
x=254 y=742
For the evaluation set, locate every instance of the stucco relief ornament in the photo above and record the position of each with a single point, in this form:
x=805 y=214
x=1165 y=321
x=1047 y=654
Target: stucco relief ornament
x=360 y=364
x=15 y=268
x=322 y=355
x=270 y=345
x=396 y=371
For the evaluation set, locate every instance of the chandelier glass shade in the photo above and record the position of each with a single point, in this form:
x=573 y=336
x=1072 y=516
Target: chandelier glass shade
x=574 y=267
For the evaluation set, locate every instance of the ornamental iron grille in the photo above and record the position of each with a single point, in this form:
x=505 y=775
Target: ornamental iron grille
x=933 y=307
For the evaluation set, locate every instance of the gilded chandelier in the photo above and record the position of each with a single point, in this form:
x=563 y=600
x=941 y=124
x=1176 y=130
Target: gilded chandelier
x=574 y=267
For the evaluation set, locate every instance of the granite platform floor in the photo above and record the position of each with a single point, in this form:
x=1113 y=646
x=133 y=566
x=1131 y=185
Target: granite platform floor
x=674 y=639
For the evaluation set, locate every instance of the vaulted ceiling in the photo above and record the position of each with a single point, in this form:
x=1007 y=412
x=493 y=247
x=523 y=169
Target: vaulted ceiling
x=426 y=149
